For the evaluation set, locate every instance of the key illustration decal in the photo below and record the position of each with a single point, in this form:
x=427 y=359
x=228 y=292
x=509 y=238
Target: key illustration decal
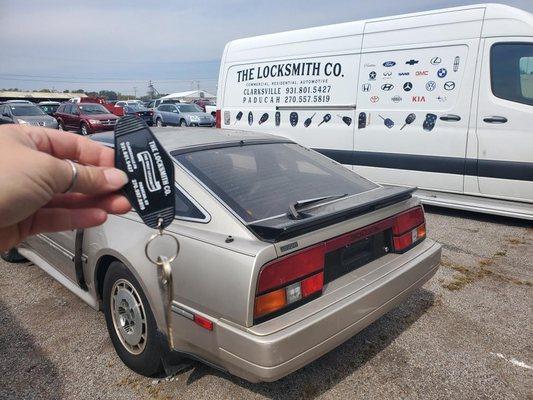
x=409 y=120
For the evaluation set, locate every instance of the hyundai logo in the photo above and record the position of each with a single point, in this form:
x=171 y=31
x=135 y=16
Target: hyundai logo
x=389 y=64
x=387 y=87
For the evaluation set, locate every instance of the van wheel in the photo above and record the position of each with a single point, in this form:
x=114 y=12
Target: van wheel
x=12 y=256
x=159 y=123
x=130 y=321
x=84 y=130
x=182 y=122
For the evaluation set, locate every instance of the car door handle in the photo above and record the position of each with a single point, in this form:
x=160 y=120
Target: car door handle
x=450 y=117
x=495 y=120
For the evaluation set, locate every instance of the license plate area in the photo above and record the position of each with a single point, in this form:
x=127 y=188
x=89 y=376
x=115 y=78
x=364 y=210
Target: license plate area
x=354 y=255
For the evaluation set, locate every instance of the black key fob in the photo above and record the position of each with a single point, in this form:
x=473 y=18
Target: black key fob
x=250 y=118
x=347 y=120
x=293 y=118
x=361 y=121
x=277 y=118
x=263 y=119
x=326 y=118
x=429 y=122
x=238 y=116
x=150 y=170
x=308 y=121
x=389 y=123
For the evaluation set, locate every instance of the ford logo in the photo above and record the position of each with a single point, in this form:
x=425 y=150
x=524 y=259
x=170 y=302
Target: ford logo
x=389 y=64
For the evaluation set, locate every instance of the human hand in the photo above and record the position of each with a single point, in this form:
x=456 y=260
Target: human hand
x=34 y=177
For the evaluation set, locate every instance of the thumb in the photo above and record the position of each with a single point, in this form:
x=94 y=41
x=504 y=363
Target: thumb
x=89 y=179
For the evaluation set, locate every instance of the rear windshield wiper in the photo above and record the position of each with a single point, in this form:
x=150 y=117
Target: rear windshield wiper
x=294 y=208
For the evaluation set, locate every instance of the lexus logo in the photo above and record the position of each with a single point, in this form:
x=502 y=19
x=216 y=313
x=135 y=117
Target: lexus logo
x=407 y=86
x=449 y=85
x=387 y=87
x=366 y=87
x=436 y=60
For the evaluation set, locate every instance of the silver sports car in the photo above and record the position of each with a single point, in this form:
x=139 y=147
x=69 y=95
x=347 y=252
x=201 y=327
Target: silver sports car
x=284 y=255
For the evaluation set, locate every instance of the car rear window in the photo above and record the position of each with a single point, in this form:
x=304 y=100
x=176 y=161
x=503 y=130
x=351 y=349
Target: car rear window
x=260 y=181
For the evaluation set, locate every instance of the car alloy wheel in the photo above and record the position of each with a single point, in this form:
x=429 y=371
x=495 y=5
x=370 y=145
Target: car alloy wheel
x=129 y=316
x=159 y=123
x=60 y=126
x=84 y=130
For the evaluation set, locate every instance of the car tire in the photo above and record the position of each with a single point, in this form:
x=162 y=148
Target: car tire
x=159 y=123
x=60 y=125
x=128 y=315
x=84 y=129
x=12 y=256
x=182 y=122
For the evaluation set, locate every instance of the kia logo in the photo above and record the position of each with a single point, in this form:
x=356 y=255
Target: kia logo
x=419 y=73
x=449 y=85
x=436 y=60
x=407 y=86
x=387 y=87
x=389 y=64
x=374 y=99
x=419 y=99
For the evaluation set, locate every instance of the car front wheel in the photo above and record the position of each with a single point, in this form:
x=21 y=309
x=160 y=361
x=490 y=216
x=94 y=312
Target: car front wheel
x=159 y=123
x=84 y=129
x=60 y=125
x=130 y=321
x=182 y=122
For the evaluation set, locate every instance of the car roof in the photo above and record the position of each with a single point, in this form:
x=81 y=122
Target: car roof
x=177 y=138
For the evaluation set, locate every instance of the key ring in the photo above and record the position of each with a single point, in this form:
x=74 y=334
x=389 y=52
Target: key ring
x=160 y=232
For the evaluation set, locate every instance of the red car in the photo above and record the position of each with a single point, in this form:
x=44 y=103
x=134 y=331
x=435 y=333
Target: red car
x=85 y=118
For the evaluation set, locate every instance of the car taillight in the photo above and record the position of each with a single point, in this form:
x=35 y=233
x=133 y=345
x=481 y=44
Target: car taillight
x=218 y=121
x=290 y=279
x=409 y=228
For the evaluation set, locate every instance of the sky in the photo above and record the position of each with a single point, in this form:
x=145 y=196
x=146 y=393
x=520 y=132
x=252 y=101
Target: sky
x=121 y=45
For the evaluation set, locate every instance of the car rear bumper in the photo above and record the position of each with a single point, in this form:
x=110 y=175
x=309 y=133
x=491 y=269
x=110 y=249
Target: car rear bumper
x=267 y=354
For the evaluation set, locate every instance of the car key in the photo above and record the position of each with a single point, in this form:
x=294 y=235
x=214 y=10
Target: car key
x=250 y=118
x=150 y=188
x=325 y=119
x=346 y=120
x=293 y=118
x=409 y=120
x=309 y=120
x=238 y=117
x=263 y=118
x=389 y=123
x=361 y=121
x=277 y=118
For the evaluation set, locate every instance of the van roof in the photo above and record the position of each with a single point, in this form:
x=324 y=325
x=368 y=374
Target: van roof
x=187 y=138
x=492 y=20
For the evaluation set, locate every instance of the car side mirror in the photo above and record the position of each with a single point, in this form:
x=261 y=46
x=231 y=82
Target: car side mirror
x=175 y=111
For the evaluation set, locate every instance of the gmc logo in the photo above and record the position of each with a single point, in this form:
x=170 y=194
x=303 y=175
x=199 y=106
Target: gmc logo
x=418 y=73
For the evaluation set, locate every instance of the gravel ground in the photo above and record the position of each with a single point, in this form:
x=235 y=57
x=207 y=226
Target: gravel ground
x=466 y=334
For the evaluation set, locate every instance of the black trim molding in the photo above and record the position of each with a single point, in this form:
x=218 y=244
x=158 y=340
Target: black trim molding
x=448 y=165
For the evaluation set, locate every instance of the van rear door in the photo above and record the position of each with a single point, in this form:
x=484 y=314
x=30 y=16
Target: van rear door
x=505 y=120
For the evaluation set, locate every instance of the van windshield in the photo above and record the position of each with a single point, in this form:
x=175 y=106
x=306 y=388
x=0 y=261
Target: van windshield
x=260 y=181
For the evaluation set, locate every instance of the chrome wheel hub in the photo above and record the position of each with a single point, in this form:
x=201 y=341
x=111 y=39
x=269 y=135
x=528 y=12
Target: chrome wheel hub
x=129 y=316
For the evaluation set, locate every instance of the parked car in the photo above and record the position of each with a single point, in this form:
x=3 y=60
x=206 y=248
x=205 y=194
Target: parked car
x=284 y=254
x=133 y=103
x=49 y=107
x=19 y=101
x=202 y=103
x=145 y=114
x=85 y=118
x=437 y=107
x=182 y=114
x=156 y=103
x=23 y=113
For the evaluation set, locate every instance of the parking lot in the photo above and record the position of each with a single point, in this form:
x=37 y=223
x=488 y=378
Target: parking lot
x=465 y=334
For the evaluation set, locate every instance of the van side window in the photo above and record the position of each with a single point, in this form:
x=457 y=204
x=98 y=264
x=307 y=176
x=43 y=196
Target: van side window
x=511 y=71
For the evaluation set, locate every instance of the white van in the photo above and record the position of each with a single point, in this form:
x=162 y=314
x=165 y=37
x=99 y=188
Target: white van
x=441 y=100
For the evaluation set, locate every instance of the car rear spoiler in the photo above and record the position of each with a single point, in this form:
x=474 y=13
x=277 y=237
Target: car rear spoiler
x=283 y=227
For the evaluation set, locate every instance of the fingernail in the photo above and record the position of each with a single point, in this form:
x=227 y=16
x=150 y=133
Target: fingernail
x=115 y=177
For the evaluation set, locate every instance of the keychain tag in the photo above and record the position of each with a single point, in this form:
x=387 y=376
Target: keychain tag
x=150 y=170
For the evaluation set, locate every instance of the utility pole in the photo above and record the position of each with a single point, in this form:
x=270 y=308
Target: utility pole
x=135 y=91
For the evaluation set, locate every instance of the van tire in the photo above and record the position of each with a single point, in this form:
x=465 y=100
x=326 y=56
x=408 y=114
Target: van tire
x=12 y=256
x=148 y=361
x=84 y=129
x=159 y=123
